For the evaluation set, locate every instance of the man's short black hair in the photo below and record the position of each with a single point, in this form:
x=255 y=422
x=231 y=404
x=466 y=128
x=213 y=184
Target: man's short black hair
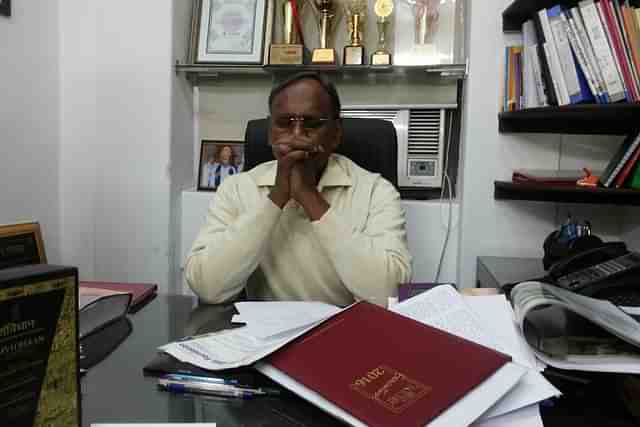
x=326 y=84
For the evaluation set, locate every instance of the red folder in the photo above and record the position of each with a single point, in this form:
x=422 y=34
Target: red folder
x=141 y=292
x=386 y=369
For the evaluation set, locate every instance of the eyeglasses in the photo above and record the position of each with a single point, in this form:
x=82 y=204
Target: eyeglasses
x=308 y=123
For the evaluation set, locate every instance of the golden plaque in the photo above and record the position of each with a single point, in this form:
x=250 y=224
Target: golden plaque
x=290 y=51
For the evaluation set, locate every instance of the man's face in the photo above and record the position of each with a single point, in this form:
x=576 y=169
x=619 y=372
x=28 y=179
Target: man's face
x=304 y=99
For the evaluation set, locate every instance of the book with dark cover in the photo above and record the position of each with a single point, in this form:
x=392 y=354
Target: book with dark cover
x=39 y=381
x=547 y=78
x=386 y=369
x=141 y=293
x=619 y=159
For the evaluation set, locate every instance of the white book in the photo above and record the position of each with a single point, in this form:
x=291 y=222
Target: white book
x=529 y=83
x=576 y=47
x=608 y=37
x=553 y=59
x=554 y=70
x=604 y=54
x=575 y=21
x=537 y=75
x=569 y=72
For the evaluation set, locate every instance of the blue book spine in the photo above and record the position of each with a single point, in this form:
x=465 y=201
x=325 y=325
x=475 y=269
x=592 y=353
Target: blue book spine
x=585 y=94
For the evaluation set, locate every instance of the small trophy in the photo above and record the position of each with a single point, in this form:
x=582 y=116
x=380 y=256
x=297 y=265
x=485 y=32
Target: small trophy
x=356 y=11
x=290 y=51
x=326 y=15
x=383 y=10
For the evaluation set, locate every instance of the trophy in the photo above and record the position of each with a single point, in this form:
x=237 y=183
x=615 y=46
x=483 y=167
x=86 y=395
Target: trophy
x=326 y=15
x=356 y=11
x=426 y=14
x=383 y=10
x=290 y=51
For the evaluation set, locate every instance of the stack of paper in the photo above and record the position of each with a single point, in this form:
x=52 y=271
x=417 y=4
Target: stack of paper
x=270 y=325
x=472 y=318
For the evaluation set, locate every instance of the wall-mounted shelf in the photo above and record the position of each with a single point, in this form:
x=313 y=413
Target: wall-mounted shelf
x=521 y=10
x=505 y=190
x=197 y=72
x=605 y=119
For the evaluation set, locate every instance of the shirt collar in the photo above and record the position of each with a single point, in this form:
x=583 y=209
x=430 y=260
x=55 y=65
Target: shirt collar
x=334 y=175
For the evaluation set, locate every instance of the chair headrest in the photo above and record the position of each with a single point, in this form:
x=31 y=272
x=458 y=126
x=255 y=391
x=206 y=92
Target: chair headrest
x=370 y=143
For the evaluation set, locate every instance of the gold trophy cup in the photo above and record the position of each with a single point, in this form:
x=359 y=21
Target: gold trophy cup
x=290 y=51
x=356 y=12
x=326 y=15
x=383 y=10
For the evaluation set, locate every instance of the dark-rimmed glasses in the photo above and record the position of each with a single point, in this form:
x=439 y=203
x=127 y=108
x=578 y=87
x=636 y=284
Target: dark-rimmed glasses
x=307 y=123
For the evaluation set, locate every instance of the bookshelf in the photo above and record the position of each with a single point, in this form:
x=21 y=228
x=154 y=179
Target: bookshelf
x=506 y=190
x=581 y=119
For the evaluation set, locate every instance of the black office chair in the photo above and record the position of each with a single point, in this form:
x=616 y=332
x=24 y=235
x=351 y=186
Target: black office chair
x=370 y=143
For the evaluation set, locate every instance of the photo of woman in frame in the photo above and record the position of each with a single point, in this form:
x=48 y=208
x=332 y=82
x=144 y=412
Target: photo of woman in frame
x=219 y=160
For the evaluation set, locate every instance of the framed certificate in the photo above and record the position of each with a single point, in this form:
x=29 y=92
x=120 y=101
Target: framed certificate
x=21 y=244
x=232 y=31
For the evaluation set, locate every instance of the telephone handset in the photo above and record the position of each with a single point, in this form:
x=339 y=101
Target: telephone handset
x=602 y=272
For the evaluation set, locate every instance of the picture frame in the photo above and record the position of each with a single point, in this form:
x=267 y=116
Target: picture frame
x=5 y=7
x=232 y=33
x=219 y=160
x=21 y=244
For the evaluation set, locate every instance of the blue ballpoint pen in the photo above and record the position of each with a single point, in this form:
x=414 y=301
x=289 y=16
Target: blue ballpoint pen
x=201 y=389
x=187 y=377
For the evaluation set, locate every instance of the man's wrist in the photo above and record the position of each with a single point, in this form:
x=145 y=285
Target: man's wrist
x=278 y=197
x=313 y=203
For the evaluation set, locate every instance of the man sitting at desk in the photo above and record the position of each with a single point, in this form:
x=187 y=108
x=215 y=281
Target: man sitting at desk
x=310 y=225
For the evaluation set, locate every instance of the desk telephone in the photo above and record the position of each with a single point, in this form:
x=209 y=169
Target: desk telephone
x=609 y=272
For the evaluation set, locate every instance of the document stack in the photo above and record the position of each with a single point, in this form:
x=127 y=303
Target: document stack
x=429 y=360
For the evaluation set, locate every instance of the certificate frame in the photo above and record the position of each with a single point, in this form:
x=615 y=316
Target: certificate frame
x=21 y=244
x=5 y=7
x=232 y=32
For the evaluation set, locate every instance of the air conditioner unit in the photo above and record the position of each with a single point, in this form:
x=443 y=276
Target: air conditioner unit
x=421 y=134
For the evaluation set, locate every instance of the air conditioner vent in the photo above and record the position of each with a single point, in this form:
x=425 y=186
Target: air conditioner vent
x=384 y=114
x=424 y=132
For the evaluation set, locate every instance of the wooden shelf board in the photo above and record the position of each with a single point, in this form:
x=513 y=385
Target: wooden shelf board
x=506 y=190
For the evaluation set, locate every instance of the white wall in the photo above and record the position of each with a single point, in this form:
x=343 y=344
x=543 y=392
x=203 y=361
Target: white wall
x=116 y=119
x=512 y=228
x=29 y=119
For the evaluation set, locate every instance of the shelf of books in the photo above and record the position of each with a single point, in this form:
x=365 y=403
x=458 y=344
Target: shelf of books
x=577 y=69
x=505 y=190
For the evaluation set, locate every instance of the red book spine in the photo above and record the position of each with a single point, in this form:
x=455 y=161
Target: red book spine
x=618 y=47
x=622 y=176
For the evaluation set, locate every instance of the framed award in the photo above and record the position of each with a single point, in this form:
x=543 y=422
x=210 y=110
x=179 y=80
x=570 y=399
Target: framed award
x=232 y=31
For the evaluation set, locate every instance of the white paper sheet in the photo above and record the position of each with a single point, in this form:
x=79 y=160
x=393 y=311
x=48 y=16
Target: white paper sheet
x=157 y=425
x=268 y=319
x=472 y=318
x=529 y=416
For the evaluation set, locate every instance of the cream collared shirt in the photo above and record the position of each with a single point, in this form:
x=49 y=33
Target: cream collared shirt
x=356 y=251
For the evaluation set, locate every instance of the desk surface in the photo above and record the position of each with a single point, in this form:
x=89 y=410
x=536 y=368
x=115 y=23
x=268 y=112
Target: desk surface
x=115 y=390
